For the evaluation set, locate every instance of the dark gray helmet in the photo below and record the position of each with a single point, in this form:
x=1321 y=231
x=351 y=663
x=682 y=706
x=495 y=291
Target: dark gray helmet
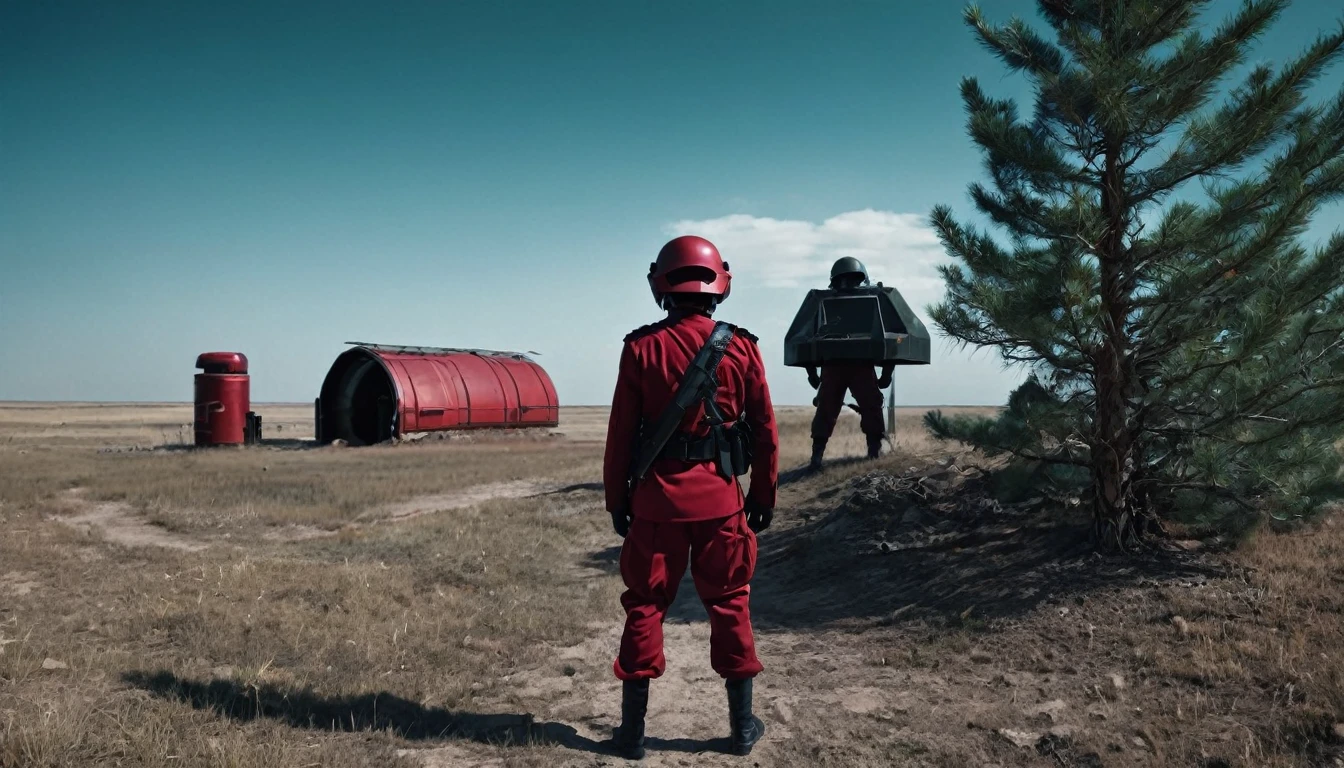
x=848 y=266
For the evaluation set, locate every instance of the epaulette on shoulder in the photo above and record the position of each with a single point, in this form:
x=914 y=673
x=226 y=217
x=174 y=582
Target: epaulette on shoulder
x=744 y=333
x=640 y=332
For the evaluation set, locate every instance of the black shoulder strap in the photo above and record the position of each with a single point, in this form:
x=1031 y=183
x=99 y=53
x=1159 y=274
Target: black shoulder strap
x=697 y=384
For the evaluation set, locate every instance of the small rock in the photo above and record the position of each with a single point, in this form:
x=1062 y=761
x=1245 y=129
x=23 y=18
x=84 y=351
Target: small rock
x=1022 y=739
x=981 y=657
x=1339 y=732
x=1139 y=742
x=1051 y=711
x=1095 y=715
x=1181 y=625
x=339 y=443
x=1117 y=683
x=782 y=712
x=50 y=663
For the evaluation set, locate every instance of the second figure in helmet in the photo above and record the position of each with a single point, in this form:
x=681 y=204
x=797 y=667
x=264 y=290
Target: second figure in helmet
x=857 y=377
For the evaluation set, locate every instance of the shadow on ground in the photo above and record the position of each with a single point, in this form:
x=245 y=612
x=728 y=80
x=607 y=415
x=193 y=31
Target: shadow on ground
x=825 y=565
x=280 y=443
x=810 y=576
x=797 y=474
x=786 y=477
x=380 y=712
x=575 y=488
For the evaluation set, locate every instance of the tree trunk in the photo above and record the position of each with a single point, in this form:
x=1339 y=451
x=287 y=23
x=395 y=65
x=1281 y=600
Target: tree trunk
x=1115 y=516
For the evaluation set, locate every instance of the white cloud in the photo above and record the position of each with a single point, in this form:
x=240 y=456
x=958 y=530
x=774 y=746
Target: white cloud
x=775 y=260
x=898 y=248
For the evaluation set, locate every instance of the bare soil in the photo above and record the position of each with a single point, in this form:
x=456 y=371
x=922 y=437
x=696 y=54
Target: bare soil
x=116 y=522
x=466 y=497
x=454 y=603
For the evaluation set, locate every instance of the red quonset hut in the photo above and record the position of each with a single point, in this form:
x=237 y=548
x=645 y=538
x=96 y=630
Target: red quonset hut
x=376 y=392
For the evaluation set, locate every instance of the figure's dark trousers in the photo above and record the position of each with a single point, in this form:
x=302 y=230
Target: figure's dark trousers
x=836 y=379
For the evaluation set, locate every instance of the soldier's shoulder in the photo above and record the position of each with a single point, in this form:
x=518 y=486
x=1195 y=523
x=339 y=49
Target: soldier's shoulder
x=644 y=331
x=741 y=332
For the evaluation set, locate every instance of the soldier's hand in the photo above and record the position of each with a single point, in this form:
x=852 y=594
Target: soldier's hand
x=759 y=517
x=884 y=381
x=620 y=521
x=813 y=381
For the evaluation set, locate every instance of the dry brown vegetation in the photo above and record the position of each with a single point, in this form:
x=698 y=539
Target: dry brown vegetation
x=454 y=603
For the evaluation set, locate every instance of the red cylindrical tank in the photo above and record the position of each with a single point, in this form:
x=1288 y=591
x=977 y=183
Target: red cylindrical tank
x=222 y=399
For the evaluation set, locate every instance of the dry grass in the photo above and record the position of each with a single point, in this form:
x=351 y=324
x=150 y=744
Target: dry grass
x=128 y=425
x=422 y=619
x=483 y=635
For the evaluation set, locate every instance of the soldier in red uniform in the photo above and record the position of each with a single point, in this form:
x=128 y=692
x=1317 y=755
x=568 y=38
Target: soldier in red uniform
x=858 y=378
x=685 y=510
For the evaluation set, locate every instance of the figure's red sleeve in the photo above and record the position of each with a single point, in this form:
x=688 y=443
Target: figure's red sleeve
x=622 y=432
x=761 y=416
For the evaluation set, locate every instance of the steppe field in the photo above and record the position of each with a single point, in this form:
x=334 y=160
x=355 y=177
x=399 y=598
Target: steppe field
x=453 y=602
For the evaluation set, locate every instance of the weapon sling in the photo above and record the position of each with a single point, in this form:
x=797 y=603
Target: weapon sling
x=697 y=384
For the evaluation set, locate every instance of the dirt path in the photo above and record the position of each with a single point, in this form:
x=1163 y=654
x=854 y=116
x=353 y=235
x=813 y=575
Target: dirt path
x=477 y=494
x=117 y=522
x=687 y=717
x=869 y=691
x=403 y=511
x=817 y=685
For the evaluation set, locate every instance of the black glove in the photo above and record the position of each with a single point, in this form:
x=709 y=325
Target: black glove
x=759 y=517
x=620 y=521
x=884 y=380
x=813 y=381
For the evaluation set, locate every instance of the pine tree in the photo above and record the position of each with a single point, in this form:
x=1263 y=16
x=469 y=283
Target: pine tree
x=1183 y=339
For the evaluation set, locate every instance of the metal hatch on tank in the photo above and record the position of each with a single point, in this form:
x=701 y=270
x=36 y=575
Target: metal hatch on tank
x=866 y=324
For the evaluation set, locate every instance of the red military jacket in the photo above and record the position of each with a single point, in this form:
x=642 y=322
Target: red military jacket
x=652 y=364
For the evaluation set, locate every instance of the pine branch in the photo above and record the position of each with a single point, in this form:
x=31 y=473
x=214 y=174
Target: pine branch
x=1201 y=348
x=1017 y=45
x=1260 y=109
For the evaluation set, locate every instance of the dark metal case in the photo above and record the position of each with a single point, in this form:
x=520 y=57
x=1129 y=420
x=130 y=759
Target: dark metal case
x=871 y=324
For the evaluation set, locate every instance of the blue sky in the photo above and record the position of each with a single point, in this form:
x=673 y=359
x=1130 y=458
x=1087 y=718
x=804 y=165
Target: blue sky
x=278 y=178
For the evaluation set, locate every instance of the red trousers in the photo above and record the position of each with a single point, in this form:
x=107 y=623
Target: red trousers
x=722 y=556
x=859 y=378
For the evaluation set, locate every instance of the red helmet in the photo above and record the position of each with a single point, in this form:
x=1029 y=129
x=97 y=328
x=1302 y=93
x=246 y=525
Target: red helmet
x=689 y=264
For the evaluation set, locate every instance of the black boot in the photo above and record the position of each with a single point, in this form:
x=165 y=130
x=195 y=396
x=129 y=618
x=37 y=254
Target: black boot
x=629 y=738
x=818 y=449
x=747 y=729
x=874 y=446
